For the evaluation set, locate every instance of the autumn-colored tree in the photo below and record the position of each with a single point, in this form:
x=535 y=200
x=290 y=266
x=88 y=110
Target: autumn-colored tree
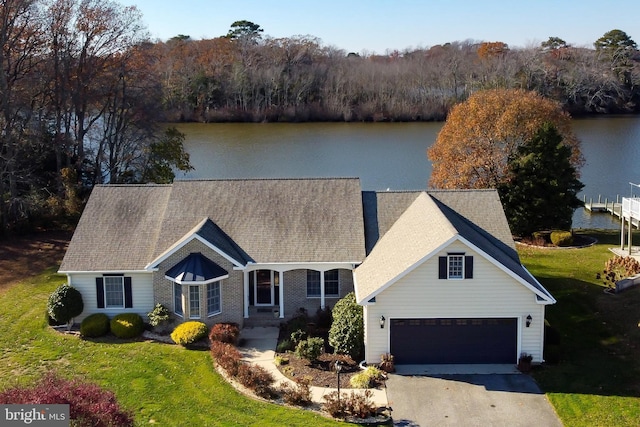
x=489 y=50
x=481 y=134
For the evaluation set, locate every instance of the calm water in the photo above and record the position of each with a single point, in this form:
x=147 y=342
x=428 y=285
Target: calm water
x=393 y=155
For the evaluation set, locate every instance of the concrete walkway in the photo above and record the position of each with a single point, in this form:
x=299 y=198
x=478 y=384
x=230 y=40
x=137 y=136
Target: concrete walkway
x=257 y=346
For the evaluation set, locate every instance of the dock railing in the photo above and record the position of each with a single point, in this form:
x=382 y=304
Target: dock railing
x=631 y=207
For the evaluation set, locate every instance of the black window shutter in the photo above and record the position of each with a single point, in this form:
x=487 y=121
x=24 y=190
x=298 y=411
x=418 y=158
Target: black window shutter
x=442 y=267
x=128 y=298
x=100 y=291
x=468 y=267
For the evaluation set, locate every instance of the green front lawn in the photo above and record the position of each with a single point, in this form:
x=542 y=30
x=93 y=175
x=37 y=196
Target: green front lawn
x=162 y=384
x=596 y=380
x=595 y=383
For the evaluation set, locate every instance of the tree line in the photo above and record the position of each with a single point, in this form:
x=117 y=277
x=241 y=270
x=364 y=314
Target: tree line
x=79 y=106
x=84 y=92
x=245 y=76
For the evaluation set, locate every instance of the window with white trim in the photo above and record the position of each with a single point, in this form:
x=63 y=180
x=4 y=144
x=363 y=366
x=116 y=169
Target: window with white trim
x=456 y=266
x=114 y=291
x=331 y=283
x=177 y=299
x=194 y=302
x=213 y=298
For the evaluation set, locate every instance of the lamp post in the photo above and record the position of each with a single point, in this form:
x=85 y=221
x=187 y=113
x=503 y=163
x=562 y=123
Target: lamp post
x=338 y=367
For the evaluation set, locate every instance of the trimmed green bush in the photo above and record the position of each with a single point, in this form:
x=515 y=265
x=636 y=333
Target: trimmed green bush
x=346 y=335
x=94 y=326
x=127 y=325
x=310 y=349
x=189 y=332
x=366 y=378
x=65 y=303
x=561 y=238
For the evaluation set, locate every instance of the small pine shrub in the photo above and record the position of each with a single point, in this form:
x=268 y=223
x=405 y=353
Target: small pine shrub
x=256 y=378
x=561 y=238
x=89 y=405
x=189 y=332
x=346 y=335
x=127 y=325
x=65 y=303
x=226 y=356
x=225 y=332
x=94 y=326
x=310 y=349
x=298 y=394
x=159 y=314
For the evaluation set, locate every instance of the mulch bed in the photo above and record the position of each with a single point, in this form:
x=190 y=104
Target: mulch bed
x=321 y=373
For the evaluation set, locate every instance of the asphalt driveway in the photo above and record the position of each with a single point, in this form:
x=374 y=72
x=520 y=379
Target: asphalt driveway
x=469 y=400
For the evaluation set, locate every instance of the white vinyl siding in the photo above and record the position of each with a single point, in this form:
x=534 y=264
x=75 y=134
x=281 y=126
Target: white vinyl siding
x=141 y=290
x=492 y=293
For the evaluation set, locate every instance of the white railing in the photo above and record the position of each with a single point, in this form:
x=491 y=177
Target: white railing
x=631 y=207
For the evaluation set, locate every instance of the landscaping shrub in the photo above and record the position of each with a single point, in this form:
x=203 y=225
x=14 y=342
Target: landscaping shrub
x=347 y=330
x=310 y=349
x=298 y=323
x=618 y=268
x=357 y=405
x=297 y=394
x=280 y=360
x=127 y=325
x=89 y=405
x=94 y=326
x=284 y=346
x=158 y=315
x=225 y=332
x=367 y=378
x=297 y=336
x=226 y=356
x=65 y=303
x=189 y=332
x=561 y=238
x=323 y=318
x=256 y=378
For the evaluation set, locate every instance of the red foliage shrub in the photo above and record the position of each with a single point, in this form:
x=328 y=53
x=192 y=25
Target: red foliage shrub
x=89 y=405
x=357 y=405
x=298 y=394
x=225 y=332
x=226 y=356
x=256 y=378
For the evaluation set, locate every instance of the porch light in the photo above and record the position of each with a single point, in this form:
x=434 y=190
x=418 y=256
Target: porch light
x=529 y=320
x=382 y=320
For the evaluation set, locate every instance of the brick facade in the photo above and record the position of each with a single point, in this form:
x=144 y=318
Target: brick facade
x=232 y=289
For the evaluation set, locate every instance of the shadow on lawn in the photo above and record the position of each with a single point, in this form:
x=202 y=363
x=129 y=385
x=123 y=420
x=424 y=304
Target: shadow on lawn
x=591 y=342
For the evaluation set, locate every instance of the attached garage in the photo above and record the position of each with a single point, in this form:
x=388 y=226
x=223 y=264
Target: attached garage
x=445 y=341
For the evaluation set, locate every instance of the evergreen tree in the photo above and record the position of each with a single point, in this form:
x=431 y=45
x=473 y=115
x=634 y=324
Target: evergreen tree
x=541 y=193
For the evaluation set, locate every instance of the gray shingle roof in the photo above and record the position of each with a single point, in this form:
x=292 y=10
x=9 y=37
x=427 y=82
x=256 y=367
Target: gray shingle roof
x=118 y=228
x=125 y=227
x=412 y=225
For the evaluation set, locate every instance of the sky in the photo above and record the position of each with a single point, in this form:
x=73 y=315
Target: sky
x=381 y=26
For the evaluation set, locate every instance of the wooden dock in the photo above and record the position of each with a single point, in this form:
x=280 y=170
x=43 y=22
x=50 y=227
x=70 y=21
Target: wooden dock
x=611 y=207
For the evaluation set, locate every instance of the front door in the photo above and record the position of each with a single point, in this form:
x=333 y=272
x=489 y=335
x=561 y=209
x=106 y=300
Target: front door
x=264 y=287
